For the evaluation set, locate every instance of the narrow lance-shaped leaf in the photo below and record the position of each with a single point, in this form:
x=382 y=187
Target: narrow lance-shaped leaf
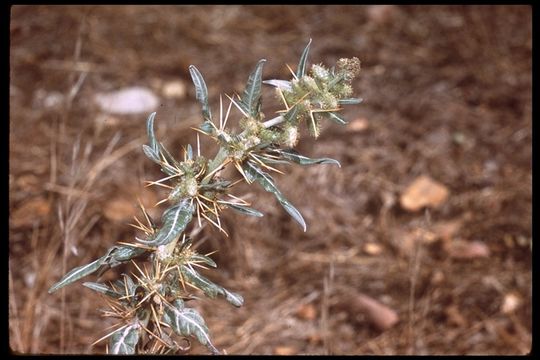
x=293 y=155
x=152 y=149
x=201 y=92
x=301 y=70
x=188 y=322
x=125 y=339
x=253 y=172
x=80 y=272
x=281 y=84
x=251 y=98
x=336 y=118
x=120 y=254
x=174 y=221
x=245 y=210
x=125 y=253
x=208 y=287
x=351 y=101
x=102 y=288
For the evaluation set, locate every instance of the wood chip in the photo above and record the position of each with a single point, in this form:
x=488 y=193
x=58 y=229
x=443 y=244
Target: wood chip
x=378 y=314
x=372 y=248
x=454 y=316
x=285 y=350
x=423 y=192
x=307 y=312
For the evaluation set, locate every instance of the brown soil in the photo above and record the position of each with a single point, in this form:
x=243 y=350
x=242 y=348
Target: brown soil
x=447 y=94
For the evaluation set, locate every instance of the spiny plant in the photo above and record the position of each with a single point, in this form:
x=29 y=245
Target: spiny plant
x=151 y=302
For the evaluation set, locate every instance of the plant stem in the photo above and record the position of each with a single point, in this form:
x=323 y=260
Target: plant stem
x=273 y=122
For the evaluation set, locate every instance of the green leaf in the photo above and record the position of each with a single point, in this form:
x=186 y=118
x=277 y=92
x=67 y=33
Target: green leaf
x=206 y=127
x=102 y=288
x=120 y=254
x=189 y=152
x=80 y=272
x=336 y=118
x=124 y=253
x=233 y=298
x=301 y=70
x=253 y=173
x=291 y=210
x=125 y=339
x=245 y=210
x=187 y=322
x=352 y=101
x=151 y=150
x=208 y=287
x=294 y=156
x=201 y=92
x=251 y=99
x=174 y=221
x=291 y=114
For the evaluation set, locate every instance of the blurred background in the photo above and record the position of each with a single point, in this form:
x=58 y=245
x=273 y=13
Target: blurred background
x=419 y=244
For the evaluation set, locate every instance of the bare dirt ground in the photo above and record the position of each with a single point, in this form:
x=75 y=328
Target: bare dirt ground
x=447 y=95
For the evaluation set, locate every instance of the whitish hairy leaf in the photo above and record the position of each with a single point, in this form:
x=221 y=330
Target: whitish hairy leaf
x=80 y=272
x=352 y=101
x=301 y=70
x=251 y=99
x=208 y=287
x=125 y=339
x=245 y=210
x=291 y=210
x=206 y=127
x=187 y=322
x=152 y=149
x=294 y=156
x=337 y=118
x=281 y=84
x=201 y=92
x=253 y=173
x=125 y=253
x=174 y=221
x=102 y=288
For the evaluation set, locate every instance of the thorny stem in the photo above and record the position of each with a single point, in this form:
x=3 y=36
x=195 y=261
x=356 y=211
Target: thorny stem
x=273 y=122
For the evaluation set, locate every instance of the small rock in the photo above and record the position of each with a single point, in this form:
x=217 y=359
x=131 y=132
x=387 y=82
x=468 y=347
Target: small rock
x=358 y=125
x=372 y=248
x=307 y=312
x=381 y=14
x=423 y=192
x=437 y=278
x=174 y=90
x=285 y=350
x=510 y=303
x=461 y=249
x=30 y=211
x=132 y=100
x=48 y=100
